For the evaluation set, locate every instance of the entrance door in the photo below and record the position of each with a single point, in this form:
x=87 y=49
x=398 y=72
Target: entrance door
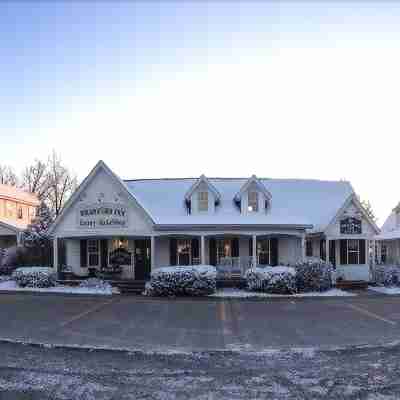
x=142 y=259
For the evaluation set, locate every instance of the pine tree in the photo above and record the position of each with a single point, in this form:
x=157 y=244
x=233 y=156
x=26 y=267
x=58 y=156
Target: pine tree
x=36 y=234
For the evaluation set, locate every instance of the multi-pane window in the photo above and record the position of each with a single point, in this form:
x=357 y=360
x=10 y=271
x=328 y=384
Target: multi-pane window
x=224 y=248
x=252 y=204
x=353 y=251
x=309 y=248
x=184 y=252
x=264 y=252
x=383 y=253
x=10 y=209
x=350 y=226
x=93 y=250
x=203 y=200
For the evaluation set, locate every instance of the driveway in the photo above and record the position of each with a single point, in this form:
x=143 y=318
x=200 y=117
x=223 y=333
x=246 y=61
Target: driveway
x=137 y=323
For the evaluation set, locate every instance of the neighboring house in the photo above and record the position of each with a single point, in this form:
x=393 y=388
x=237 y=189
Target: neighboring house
x=229 y=222
x=17 y=210
x=388 y=241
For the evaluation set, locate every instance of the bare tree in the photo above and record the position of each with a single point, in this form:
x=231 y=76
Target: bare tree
x=35 y=179
x=62 y=183
x=8 y=176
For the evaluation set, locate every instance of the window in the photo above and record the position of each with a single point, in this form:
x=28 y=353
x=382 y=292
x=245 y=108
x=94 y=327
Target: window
x=224 y=249
x=264 y=252
x=20 y=216
x=350 y=226
x=309 y=248
x=93 y=250
x=252 y=205
x=203 y=201
x=353 y=251
x=184 y=252
x=10 y=209
x=383 y=253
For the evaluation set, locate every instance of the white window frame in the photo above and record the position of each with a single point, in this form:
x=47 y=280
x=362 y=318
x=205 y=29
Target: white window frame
x=353 y=251
x=91 y=252
x=202 y=201
x=252 y=204
x=259 y=251
x=186 y=244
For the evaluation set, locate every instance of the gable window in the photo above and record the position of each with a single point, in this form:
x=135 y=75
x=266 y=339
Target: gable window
x=350 y=226
x=309 y=248
x=264 y=252
x=203 y=201
x=252 y=204
x=93 y=251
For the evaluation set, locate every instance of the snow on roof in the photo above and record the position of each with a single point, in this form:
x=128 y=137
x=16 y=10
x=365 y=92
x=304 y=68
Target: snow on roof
x=294 y=201
x=12 y=192
x=19 y=225
x=389 y=229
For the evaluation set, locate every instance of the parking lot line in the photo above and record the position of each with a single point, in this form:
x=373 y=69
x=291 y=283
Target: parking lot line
x=371 y=314
x=87 y=312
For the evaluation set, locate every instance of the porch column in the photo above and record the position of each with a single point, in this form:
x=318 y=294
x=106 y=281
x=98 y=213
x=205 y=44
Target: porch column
x=367 y=243
x=373 y=252
x=379 y=251
x=254 y=243
x=303 y=247
x=152 y=252
x=55 y=254
x=202 y=250
x=327 y=250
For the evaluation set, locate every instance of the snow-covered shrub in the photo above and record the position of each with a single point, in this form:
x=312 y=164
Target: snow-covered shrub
x=95 y=283
x=313 y=275
x=13 y=256
x=277 y=280
x=196 y=280
x=387 y=275
x=36 y=277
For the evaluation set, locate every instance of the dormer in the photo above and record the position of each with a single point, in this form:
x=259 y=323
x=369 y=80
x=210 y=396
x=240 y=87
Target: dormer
x=202 y=197
x=253 y=197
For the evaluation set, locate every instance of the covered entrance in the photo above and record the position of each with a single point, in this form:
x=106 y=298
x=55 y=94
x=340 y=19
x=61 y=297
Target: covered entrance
x=142 y=259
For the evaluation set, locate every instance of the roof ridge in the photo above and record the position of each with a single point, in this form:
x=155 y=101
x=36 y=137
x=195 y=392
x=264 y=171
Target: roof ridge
x=240 y=178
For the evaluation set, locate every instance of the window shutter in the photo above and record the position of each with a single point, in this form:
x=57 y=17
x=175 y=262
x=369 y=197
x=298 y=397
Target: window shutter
x=274 y=251
x=322 y=254
x=195 y=248
x=213 y=251
x=83 y=253
x=361 y=247
x=343 y=251
x=251 y=247
x=104 y=253
x=172 y=251
x=235 y=247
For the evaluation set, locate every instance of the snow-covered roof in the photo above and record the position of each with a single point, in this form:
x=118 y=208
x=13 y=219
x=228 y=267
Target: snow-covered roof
x=389 y=229
x=13 y=224
x=295 y=201
x=14 y=193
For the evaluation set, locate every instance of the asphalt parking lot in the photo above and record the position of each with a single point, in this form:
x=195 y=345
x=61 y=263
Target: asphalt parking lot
x=165 y=325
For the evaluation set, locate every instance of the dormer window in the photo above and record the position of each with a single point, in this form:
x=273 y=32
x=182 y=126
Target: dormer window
x=203 y=201
x=252 y=204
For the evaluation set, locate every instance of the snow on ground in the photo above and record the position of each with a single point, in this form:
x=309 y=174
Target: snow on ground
x=238 y=293
x=11 y=286
x=385 y=290
x=206 y=270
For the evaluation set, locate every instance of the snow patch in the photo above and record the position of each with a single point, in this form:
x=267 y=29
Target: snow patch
x=385 y=290
x=240 y=294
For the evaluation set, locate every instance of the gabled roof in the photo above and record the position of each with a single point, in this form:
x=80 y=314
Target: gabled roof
x=211 y=187
x=12 y=225
x=100 y=165
x=389 y=229
x=353 y=198
x=14 y=193
x=253 y=180
x=296 y=201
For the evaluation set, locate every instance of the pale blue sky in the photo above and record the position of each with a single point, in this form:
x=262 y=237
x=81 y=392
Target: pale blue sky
x=169 y=89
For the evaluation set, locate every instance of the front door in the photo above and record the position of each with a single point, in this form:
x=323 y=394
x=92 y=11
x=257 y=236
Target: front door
x=142 y=259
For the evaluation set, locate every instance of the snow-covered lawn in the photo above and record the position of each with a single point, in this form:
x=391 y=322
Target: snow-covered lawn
x=385 y=290
x=9 y=285
x=238 y=293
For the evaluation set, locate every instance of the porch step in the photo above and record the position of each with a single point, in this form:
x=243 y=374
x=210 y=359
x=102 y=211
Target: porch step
x=352 y=285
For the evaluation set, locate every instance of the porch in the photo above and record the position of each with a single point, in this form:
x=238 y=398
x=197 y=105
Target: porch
x=133 y=258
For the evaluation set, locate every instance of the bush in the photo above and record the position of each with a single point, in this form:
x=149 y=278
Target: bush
x=199 y=280
x=313 y=275
x=12 y=257
x=387 y=275
x=276 y=280
x=95 y=283
x=35 y=277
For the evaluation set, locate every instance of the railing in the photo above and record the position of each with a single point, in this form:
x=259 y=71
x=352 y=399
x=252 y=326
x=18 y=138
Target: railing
x=233 y=267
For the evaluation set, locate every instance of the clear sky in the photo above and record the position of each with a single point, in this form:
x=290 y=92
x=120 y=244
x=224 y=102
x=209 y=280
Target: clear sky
x=170 y=89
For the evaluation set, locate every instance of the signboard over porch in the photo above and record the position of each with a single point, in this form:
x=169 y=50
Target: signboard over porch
x=103 y=215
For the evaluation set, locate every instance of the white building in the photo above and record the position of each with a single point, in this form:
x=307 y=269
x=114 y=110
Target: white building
x=236 y=223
